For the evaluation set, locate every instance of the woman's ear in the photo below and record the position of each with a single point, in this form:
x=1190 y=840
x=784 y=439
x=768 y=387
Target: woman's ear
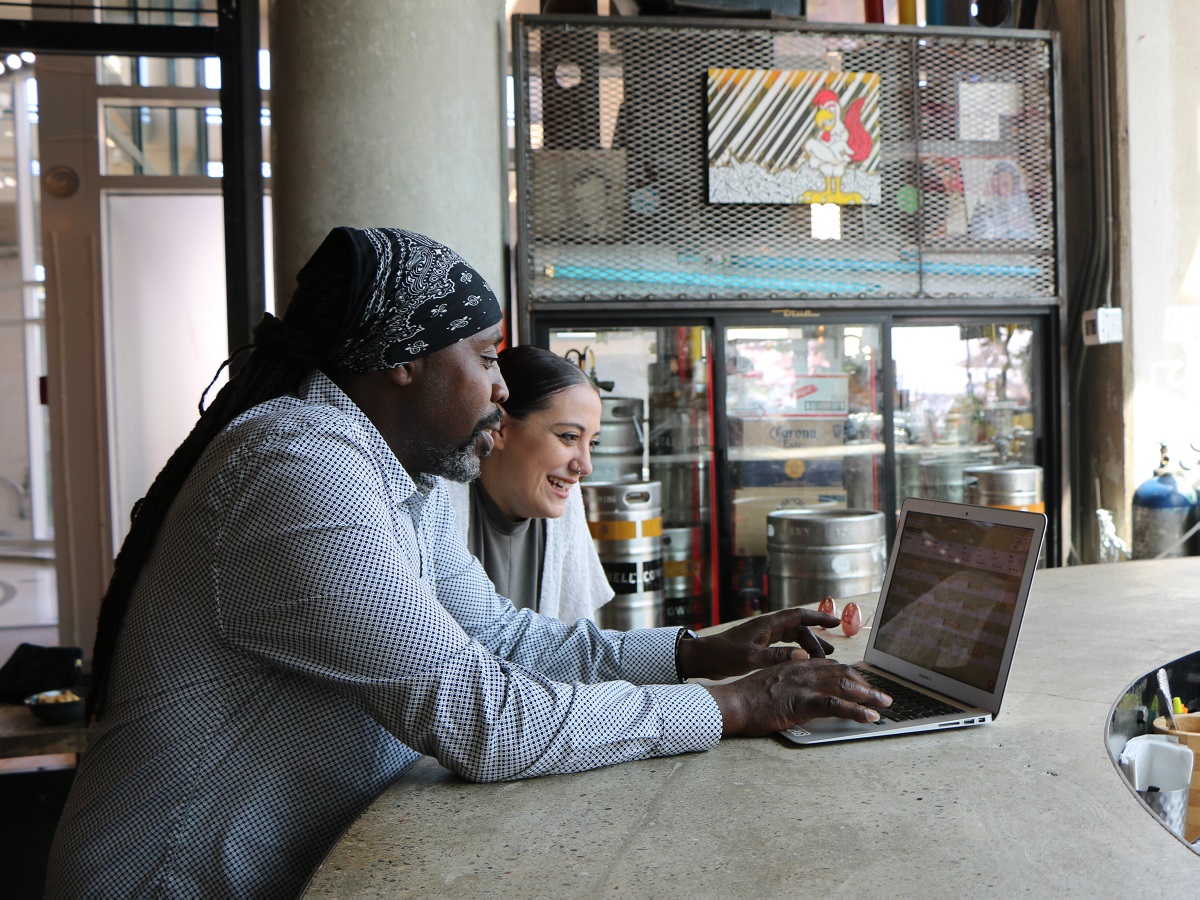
x=500 y=434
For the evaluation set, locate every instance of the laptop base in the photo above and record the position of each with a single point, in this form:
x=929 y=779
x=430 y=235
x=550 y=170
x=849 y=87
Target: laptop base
x=825 y=731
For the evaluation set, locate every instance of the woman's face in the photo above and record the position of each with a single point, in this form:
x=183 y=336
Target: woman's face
x=536 y=460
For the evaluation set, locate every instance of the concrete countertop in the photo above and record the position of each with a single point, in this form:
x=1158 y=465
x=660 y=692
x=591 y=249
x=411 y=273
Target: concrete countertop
x=1031 y=803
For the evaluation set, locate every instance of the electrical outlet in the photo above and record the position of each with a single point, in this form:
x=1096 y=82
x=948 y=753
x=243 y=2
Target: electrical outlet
x=1103 y=325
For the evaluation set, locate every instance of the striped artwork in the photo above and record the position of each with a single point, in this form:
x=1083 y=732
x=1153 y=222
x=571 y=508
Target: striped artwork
x=793 y=136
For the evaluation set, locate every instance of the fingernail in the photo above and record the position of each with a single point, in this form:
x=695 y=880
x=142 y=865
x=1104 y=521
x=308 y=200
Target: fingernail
x=872 y=715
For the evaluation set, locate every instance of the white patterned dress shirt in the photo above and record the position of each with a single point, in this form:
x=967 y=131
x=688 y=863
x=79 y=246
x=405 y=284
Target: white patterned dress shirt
x=309 y=624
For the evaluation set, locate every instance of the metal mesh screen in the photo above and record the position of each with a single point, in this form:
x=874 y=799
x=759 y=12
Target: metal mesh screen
x=621 y=134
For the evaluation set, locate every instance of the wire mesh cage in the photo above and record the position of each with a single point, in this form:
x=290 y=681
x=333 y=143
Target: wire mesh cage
x=714 y=161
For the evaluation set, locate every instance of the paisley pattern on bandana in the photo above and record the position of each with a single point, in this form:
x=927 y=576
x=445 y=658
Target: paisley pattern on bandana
x=424 y=297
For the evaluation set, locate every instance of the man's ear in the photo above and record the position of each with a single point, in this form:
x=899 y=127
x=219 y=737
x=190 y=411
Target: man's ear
x=401 y=375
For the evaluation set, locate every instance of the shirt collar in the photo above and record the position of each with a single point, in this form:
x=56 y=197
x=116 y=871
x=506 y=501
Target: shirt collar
x=318 y=388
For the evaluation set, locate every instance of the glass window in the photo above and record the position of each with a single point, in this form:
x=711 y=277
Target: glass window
x=965 y=398
x=158 y=12
x=656 y=427
x=804 y=430
x=163 y=132
x=167 y=140
x=157 y=72
x=154 y=140
x=119 y=12
x=25 y=512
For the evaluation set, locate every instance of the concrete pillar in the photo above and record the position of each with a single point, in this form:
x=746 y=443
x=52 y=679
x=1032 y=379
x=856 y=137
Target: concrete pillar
x=1158 y=119
x=389 y=113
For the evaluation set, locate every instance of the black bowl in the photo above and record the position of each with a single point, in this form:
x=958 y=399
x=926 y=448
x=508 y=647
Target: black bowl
x=53 y=711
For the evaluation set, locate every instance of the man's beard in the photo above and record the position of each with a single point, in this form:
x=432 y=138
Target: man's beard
x=461 y=463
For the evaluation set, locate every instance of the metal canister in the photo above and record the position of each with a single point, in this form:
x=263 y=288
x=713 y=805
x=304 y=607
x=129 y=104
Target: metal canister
x=679 y=444
x=908 y=474
x=625 y=519
x=812 y=553
x=1007 y=486
x=1010 y=486
x=1162 y=513
x=942 y=474
x=618 y=456
x=687 y=595
x=860 y=476
x=685 y=488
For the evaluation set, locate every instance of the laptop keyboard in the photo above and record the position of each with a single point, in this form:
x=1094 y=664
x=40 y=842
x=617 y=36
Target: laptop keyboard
x=907 y=704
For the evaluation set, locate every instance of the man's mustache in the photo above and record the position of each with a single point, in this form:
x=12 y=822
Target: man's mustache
x=490 y=422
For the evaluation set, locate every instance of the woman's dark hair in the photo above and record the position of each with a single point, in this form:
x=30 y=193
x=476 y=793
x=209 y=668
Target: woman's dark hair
x=284 y=352
x=533 y=376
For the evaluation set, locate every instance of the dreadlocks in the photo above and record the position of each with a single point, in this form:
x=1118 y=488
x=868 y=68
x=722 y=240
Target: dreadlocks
x=367 y=299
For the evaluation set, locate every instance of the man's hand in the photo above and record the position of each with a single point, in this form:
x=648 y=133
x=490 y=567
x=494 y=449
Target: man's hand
x=796 y=691
x=747 y=646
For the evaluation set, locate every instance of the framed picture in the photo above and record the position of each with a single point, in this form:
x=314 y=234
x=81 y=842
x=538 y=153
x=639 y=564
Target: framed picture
x=579 y=195
x=793 y=136
x=997 y=199
x=975 y=198
x=943 y=200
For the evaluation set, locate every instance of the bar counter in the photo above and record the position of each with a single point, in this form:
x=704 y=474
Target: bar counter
x=1031 y=803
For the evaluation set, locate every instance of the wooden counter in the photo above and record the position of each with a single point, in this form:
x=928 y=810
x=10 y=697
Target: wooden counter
x=1031 y=804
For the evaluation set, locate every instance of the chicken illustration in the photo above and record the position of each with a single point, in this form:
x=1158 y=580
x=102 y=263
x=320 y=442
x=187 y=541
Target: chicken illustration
x=839 y=143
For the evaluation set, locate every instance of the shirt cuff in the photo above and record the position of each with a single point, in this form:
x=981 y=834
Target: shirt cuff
x=648 y=656
x=691 y=719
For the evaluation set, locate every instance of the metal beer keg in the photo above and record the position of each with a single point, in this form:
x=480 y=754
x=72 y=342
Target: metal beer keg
x=625 y=519
x=618 y=456
x=1009 y=486
x=942 y=475
x=812 y=553
x=678 y=443
x=687 y=596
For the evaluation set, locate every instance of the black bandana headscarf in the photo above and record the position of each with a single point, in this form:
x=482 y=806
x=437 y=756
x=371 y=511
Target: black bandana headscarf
x=408 y=296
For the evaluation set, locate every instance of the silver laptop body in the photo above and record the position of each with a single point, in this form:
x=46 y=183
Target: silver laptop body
x=948 y=616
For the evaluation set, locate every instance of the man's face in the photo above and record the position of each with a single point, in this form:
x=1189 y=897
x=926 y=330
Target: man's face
x=461 y=389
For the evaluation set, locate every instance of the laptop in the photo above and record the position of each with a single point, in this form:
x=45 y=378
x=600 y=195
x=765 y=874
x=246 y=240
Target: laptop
x=946 y=625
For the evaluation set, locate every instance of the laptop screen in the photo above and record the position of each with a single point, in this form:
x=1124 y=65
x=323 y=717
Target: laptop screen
x=953 y=595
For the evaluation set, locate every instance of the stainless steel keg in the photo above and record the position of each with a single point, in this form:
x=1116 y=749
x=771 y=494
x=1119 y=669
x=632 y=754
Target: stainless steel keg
x=625 y=519
x=687 y=593
x=1009 y=486
x=618 y=456
x=812 y=553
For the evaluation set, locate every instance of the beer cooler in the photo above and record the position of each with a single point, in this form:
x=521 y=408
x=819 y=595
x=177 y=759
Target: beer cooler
x=756 y=357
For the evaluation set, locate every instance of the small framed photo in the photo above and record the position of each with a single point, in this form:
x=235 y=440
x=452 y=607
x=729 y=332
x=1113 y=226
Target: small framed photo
x=997 y=198
x=579 y=195
x=943 y=200
x=975 y=198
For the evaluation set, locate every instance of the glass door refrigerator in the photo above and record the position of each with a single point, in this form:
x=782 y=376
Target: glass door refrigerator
x=737 y=416
x=771 y=335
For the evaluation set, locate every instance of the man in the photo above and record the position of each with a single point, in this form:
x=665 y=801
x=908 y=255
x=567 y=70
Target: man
x=294 y=620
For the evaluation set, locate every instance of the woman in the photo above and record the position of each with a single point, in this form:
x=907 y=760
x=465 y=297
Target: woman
x=523 y=517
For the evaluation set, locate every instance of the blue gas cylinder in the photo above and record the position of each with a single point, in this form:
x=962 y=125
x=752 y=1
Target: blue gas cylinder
x=1162 y=512
x=1194 y=543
